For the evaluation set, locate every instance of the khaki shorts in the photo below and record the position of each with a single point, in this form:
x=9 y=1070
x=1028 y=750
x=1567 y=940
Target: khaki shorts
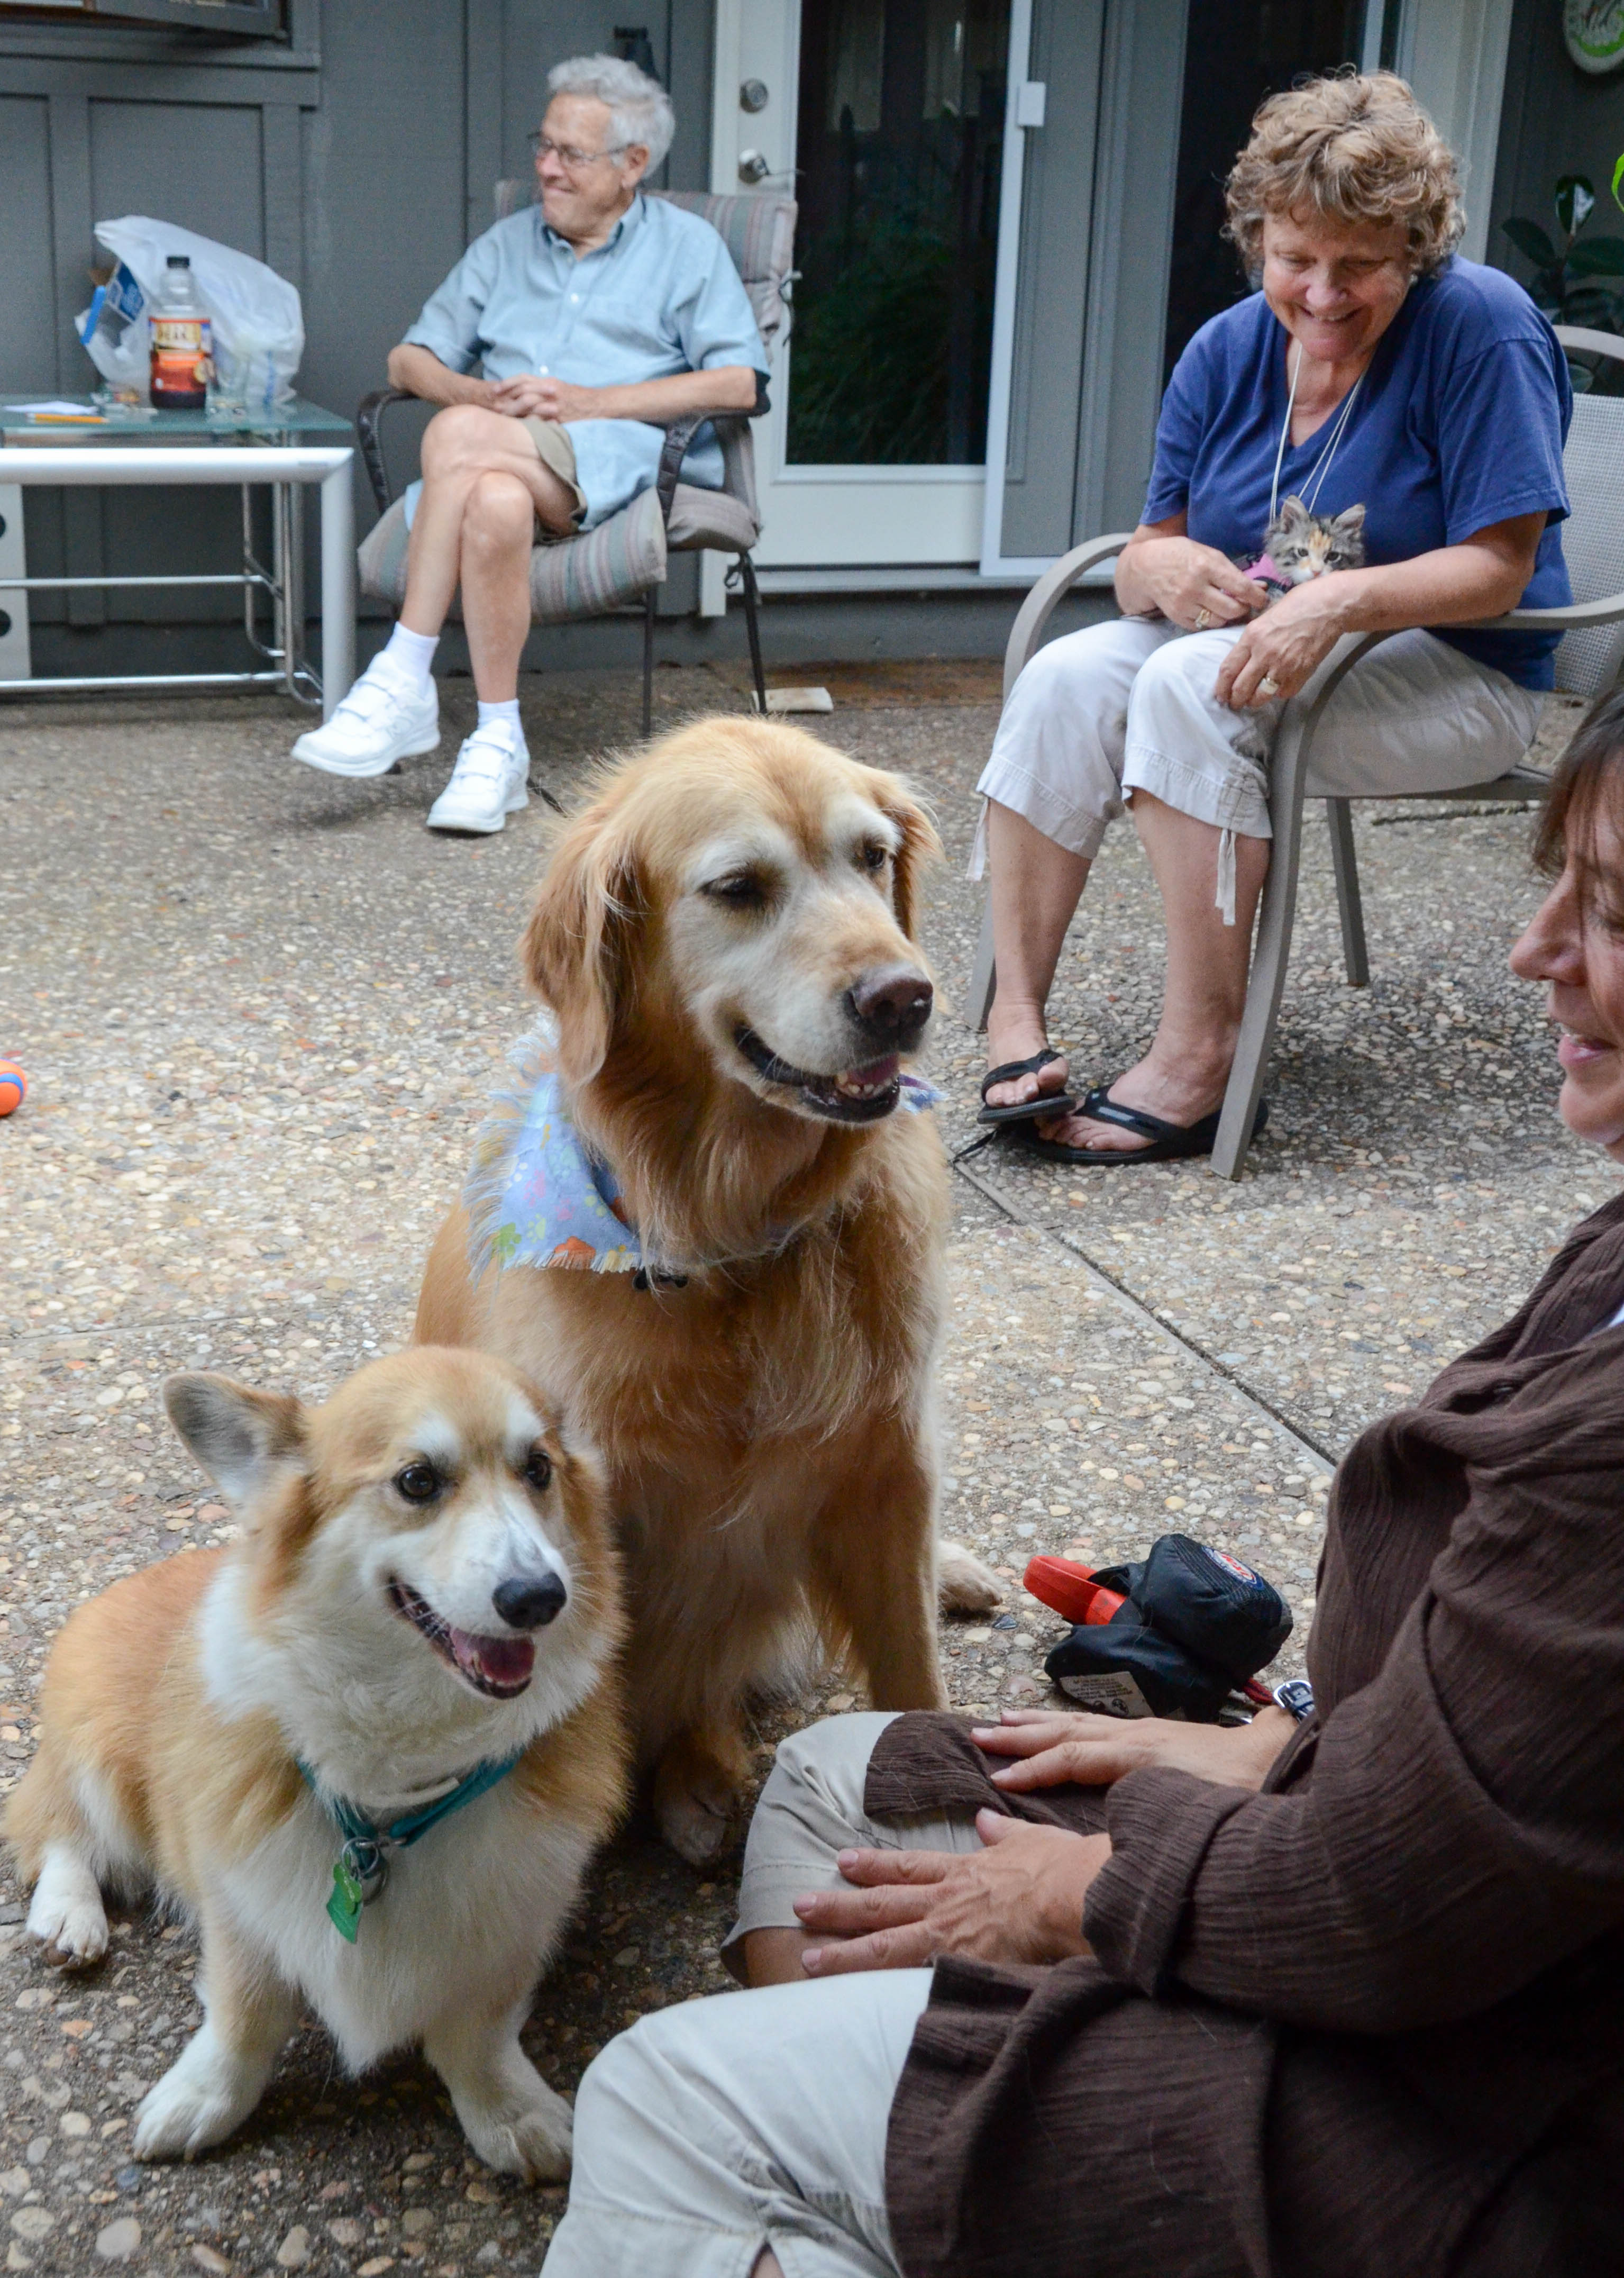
x=555 y=450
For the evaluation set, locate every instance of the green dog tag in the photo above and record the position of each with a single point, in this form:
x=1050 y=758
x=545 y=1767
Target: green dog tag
x=343 y=1906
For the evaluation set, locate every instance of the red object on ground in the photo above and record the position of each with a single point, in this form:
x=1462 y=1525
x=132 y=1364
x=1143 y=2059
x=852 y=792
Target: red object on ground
x=1072 y=1590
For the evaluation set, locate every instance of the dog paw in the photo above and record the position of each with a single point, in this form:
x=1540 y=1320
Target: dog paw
x=201 y=2099
x=532 y=2140
x=67 y=1917
x=963 y=1584
x=696 y=1824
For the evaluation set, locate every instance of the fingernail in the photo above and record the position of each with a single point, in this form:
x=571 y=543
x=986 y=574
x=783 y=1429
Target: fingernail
x=801 y=1906
x=982 y=1731
x=847 y=1858
x=812 y=1958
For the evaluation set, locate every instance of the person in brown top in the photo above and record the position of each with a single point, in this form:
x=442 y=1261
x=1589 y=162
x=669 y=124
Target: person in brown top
x=1342 y=1999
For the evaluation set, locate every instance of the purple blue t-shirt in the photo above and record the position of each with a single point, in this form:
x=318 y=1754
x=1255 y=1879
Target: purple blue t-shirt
x=1459 y=422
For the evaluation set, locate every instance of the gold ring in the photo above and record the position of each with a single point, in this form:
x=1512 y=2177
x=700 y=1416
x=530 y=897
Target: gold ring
x=1269 y=685
x=1203 y=618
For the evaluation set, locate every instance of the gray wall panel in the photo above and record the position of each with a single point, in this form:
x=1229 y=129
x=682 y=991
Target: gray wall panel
x=384 y=187
x=199 y=164
x=1142 y=86
x=27 y=287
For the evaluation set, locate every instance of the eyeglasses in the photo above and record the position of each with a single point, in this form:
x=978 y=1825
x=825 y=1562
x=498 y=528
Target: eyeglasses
x=543 y=145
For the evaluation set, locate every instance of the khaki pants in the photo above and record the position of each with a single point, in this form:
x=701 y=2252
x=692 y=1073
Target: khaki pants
x=811 y=1810
x=721 y=2127
x=555 y=450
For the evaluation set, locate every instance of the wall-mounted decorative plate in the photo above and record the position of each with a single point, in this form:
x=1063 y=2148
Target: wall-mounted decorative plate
x=1594 y=31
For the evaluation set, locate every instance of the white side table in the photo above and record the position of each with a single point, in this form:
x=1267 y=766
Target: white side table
x=289 y=467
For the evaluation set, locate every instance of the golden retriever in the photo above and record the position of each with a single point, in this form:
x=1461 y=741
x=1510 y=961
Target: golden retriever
x=725 y=937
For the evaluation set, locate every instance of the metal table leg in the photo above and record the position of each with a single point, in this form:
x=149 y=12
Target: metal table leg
x=294 y=664
x=338 y=589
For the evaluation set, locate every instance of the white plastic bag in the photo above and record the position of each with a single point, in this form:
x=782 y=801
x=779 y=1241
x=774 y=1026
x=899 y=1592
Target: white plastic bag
x=258 y=325
x=114 y=338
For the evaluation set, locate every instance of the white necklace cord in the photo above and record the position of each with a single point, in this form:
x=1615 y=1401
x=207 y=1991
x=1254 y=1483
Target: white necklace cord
x=1322 y=465
x=1224 y=897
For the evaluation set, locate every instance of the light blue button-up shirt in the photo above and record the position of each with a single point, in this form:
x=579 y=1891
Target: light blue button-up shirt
x=661 y=296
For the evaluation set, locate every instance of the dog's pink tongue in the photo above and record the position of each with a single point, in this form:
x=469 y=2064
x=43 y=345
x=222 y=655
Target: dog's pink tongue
x=500 y=1660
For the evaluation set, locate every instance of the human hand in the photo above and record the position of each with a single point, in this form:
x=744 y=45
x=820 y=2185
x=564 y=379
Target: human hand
x=1193 y=586
x=1018 y=1899
x=534 y=395
x=1052 y=1747
x=1284 y=646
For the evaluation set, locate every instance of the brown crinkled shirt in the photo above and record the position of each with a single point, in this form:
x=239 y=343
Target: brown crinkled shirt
x=1369 y=2022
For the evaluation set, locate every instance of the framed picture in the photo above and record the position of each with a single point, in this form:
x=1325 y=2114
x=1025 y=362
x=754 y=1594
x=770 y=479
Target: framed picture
x=1594 y=31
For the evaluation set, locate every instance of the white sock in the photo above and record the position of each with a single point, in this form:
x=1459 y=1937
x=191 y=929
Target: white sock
x=412 y=654
x=507 y=711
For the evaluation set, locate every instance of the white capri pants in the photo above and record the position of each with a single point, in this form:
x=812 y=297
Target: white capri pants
x=1128 y=706
x=721 y=2127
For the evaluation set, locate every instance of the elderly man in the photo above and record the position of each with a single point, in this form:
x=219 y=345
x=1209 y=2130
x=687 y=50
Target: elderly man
x=595 y=318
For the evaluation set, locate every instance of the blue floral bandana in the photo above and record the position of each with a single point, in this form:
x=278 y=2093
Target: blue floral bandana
x=537 y=1196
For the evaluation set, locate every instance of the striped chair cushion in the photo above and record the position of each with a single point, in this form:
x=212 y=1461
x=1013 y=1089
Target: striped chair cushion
x=580 y=577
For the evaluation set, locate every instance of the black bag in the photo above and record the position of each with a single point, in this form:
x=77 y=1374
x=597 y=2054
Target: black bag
x=1194 y=1625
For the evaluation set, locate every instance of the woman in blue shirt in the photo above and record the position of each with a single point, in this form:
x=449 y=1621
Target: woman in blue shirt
x=1376 y=369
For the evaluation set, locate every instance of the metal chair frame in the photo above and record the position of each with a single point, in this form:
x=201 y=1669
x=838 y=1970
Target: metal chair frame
x=679 y=435
x=1288 y=790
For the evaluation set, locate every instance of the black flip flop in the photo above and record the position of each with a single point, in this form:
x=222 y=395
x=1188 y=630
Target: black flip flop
x=1046 y=1102
x=1169 y=1142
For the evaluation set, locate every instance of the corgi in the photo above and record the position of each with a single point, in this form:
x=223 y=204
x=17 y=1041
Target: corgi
x=422 y=1611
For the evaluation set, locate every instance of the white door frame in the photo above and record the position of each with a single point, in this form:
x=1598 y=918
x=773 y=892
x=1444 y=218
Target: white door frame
x=929 y=533
x=1454 y=54
x=1453 y=51
x=1023 y=110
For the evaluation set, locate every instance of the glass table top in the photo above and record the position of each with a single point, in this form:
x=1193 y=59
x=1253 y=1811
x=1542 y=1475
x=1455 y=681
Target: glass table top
x=298 y=420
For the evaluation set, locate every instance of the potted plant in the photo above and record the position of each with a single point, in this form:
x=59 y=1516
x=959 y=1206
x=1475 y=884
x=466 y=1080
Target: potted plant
x=1582 y=280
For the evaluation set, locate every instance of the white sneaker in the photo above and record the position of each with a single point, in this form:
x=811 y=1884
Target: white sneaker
x=488 y=783
x=382 y=719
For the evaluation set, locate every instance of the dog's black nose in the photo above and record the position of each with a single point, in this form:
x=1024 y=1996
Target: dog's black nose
x=892 y=1003
x=529 y=1603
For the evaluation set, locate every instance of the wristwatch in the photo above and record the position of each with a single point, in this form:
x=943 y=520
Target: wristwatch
x=1296 y=1697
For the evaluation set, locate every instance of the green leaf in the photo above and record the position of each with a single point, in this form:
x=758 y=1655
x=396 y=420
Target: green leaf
x=1575 y=200
x=1597 y=256
x=1592 y=307
x=1528 y=237
x=1617 y=176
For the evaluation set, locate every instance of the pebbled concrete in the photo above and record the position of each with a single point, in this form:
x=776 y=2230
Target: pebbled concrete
x=261 y=1011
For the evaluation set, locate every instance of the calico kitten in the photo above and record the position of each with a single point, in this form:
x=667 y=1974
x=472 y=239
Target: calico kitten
x=1299 y=546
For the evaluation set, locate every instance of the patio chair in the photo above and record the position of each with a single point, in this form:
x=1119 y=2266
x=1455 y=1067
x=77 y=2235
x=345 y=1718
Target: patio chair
x=1587 y=662
x=624 y=559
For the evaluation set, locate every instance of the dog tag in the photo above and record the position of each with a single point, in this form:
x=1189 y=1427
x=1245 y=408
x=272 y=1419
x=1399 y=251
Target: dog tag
x=343 y=1906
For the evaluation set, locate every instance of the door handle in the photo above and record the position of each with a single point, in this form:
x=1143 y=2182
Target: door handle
x=753 y=166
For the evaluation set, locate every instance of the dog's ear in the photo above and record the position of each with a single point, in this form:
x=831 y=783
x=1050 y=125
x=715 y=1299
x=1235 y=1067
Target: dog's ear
x=919 y=848
x=243 y=1439
x=575 y=949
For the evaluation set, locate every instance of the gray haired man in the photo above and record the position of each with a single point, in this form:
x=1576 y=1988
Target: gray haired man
x=593 y=316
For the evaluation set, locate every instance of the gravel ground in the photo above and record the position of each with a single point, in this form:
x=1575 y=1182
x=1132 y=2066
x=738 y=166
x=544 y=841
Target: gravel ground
x=260 y=1010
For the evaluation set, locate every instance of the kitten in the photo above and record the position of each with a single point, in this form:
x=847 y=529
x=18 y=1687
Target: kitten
x=1299 y=546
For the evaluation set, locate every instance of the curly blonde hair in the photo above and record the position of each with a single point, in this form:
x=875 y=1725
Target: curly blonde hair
x=1353 y=148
